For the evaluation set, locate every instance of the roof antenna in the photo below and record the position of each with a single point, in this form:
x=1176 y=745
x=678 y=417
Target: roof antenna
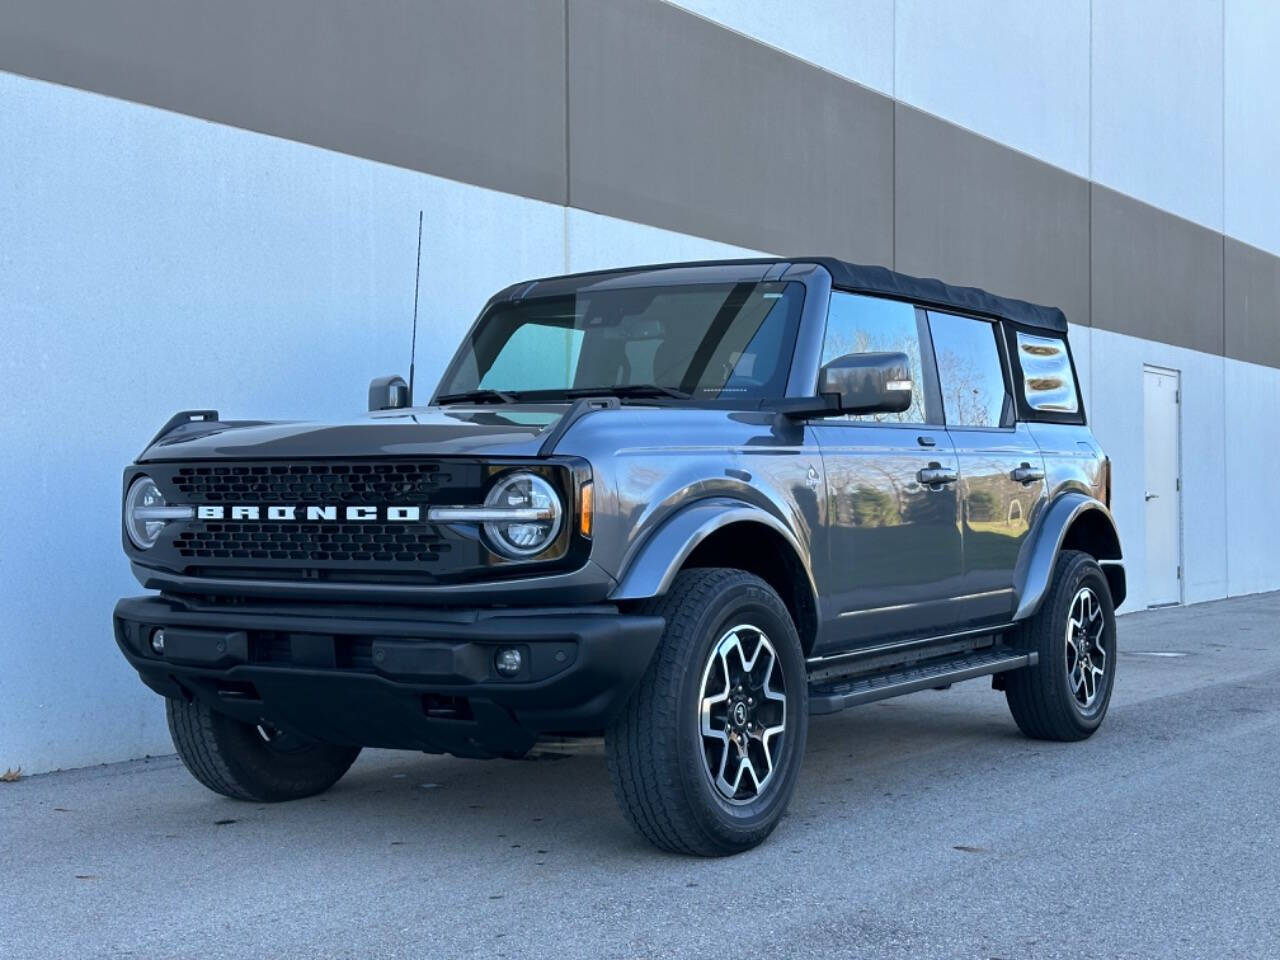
x=413 y=347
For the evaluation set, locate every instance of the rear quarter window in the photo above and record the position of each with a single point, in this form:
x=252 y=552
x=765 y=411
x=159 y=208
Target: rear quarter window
x=1048 y=383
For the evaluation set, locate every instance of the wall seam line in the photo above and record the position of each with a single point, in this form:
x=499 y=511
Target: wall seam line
x=564 y=222
x=1089 y=216
x=893 y=186
x=568 y=199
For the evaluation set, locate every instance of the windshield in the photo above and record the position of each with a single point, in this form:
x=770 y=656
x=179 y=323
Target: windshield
x=711 y=342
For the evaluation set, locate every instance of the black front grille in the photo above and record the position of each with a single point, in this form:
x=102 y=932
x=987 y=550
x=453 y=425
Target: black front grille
x=389 y=482
x=359 y=543
x=310 y=546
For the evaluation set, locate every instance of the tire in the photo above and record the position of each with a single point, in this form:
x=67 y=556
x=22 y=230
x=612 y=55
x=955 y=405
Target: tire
x=247 y=762
x=664 y=770
x=1054 y=700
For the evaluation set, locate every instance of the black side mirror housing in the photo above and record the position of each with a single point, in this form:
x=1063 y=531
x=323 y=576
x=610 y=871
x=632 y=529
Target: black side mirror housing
x=868 y=382
x=388 y=393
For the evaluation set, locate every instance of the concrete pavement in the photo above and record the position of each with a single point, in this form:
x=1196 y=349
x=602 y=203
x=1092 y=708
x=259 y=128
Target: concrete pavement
x=922 y=827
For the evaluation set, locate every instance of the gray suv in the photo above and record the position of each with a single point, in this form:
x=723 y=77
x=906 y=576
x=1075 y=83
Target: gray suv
x=684 y=506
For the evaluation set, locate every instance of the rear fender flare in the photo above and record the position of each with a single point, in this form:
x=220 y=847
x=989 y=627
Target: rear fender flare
x=1035 y=566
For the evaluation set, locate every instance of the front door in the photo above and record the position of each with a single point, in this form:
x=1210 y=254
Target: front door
x=892 y=535
x=1163 y=493
x=1002 y=475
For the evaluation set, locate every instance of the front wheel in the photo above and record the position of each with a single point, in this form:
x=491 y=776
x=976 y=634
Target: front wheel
x=248 y=761
x=1065 y=696
x=705 y=755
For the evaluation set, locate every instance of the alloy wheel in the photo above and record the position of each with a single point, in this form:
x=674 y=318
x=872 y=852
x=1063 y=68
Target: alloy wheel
x=1086 y=648
x=742 y=714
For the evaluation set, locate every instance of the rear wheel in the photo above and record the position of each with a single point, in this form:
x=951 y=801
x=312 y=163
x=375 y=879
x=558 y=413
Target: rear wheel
x=705 y=755
x=245 y=761
x=1065 y=696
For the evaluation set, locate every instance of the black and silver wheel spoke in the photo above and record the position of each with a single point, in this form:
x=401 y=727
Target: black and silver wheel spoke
x=1086 y=650
x=743 y=713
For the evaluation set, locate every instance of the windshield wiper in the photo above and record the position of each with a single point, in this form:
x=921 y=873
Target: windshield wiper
x=629 y=390
x=479 y=396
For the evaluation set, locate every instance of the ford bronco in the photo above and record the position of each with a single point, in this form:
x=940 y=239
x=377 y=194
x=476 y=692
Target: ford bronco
x=684 y=506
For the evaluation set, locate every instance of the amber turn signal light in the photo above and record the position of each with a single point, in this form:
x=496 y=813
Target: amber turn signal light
x=586 y=509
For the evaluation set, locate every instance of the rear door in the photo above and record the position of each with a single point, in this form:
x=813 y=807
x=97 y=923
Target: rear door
x=1001 y=468
x=892 y=542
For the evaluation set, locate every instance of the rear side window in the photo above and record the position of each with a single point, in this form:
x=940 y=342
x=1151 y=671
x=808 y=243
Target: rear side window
x=970 y=373
x=858 y=324
x=1048 y=382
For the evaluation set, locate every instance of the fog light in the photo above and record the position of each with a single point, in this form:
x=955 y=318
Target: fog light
x=508 y=662
x=157 y=641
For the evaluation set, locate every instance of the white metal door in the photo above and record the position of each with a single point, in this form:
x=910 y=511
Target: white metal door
x=1163 y=481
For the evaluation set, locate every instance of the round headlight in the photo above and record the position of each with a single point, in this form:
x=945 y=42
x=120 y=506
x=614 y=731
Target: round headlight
x=143 y=493
x=525 y=536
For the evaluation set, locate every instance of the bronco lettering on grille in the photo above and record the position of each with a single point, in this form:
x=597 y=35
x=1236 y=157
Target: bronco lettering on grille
x=312 y=512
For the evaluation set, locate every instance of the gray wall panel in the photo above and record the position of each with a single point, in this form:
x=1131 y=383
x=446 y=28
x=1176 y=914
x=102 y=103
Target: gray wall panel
x=1155 y=275
x=677 y=122
x=471 y=91
x=1252 y=303
x=970 y=211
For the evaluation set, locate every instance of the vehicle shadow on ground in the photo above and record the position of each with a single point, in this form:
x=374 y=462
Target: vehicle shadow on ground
x=560 y=797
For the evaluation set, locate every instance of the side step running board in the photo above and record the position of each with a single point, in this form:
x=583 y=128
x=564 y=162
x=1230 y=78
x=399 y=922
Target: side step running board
x=835 y=695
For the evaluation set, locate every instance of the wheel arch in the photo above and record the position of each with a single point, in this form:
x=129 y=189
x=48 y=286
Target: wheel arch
x=726 y=533
x=1072 y=522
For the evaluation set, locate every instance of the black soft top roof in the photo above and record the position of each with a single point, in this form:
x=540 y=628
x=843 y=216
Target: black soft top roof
x=877 y=281
x=934 y=293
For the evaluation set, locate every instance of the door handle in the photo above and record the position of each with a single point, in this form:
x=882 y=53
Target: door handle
x=935 y=474
x=1152 y=496
x=1027 y=474
x=926 y=441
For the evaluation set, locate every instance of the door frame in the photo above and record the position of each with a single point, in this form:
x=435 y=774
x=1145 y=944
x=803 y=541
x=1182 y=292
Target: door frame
x=1178 y=534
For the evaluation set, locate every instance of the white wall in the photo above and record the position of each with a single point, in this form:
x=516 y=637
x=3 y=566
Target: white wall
x=1251 y=128
x=1252 y=439
x=153 y=262
x=596 y=242
x=1157 y=104
x=1115 y=406
x=1013 y=71
x=150 y=262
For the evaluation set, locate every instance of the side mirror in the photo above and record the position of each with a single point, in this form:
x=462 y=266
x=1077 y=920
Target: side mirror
x=388 y=393
x=868 y=382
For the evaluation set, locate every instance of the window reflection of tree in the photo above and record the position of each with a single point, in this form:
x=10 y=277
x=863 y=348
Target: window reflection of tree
x=968 y=392
x=874 y=506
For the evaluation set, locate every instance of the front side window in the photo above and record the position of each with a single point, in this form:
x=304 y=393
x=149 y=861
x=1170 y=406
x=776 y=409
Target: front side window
x=970 y=374
x=858 y=324
x=714 y=342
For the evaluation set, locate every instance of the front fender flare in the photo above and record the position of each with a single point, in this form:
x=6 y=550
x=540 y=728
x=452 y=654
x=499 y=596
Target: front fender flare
x=656 y=562
x=1035 y=567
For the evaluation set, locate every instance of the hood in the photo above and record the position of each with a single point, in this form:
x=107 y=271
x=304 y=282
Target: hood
x=516 y=430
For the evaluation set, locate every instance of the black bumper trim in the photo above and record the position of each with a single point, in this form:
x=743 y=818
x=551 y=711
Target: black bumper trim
x=404 y=679
x=590 y=583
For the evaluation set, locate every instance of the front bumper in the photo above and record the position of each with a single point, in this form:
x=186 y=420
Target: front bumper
x=404 y=678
